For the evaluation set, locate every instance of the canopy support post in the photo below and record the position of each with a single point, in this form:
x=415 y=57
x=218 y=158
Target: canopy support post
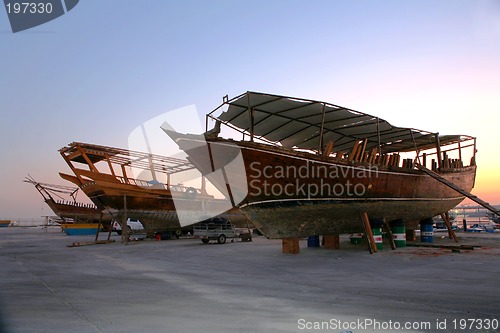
x=438 y=149
x=460 y=152
x=417 y=151
x=250 y=114
x=320 y=148
x=473 y=161
x=378 y=137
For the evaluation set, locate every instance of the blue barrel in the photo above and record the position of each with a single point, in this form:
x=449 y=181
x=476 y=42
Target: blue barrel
x=427 y=231
x=313 y=241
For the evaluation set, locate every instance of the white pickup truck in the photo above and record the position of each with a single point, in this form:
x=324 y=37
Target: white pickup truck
x=133 y=225
x=215 y=228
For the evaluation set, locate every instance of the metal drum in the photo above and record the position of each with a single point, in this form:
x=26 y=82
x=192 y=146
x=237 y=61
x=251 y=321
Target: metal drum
x=377 y=233
x=426 y=231
x=313 y=241
x=398 y=233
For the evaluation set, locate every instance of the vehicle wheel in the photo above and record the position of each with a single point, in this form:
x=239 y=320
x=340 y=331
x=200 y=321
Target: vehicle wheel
x=119 y=232
x=221 y=239
x=205 y=241
x=177 y=233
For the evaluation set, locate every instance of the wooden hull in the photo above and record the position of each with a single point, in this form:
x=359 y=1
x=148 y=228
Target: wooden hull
x=79 y=213
x=317 y=217
x=155 y=207
x=296 y=194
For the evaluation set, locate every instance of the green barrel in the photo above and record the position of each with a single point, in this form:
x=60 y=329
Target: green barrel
x=398 y=233
x=377 y=233
x=356 y=238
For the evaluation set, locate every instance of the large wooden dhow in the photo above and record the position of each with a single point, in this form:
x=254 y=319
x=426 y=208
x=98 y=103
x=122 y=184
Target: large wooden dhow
x=138 y=185
x=314 y=168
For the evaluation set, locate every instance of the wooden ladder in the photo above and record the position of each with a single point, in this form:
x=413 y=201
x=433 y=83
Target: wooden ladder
x=457 y=188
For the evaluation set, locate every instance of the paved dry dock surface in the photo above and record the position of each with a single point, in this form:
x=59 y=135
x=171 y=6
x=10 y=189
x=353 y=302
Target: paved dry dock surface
x=184 y=286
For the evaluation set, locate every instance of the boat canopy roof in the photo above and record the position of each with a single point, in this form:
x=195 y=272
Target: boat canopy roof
x=90 y=154
x=308 y=124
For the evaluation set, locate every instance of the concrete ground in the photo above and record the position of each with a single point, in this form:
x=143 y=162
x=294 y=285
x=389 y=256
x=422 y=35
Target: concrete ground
x=184 y=286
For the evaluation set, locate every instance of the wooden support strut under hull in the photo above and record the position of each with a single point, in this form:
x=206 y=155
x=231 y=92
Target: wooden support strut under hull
x=451 y=233
x=389 y=233
x=125 y=231
x=96 y=240
x=98 y=228
x=369 y=234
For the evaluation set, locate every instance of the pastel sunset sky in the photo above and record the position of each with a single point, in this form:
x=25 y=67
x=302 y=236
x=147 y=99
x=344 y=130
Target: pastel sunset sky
x=99 y=71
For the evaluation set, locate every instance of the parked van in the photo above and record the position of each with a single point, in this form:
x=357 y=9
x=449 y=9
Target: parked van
x=215 y=228
x=133 y=225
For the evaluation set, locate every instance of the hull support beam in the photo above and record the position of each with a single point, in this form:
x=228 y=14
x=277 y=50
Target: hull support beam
x=372 y=247
x=451 y=233
x=389 y=233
